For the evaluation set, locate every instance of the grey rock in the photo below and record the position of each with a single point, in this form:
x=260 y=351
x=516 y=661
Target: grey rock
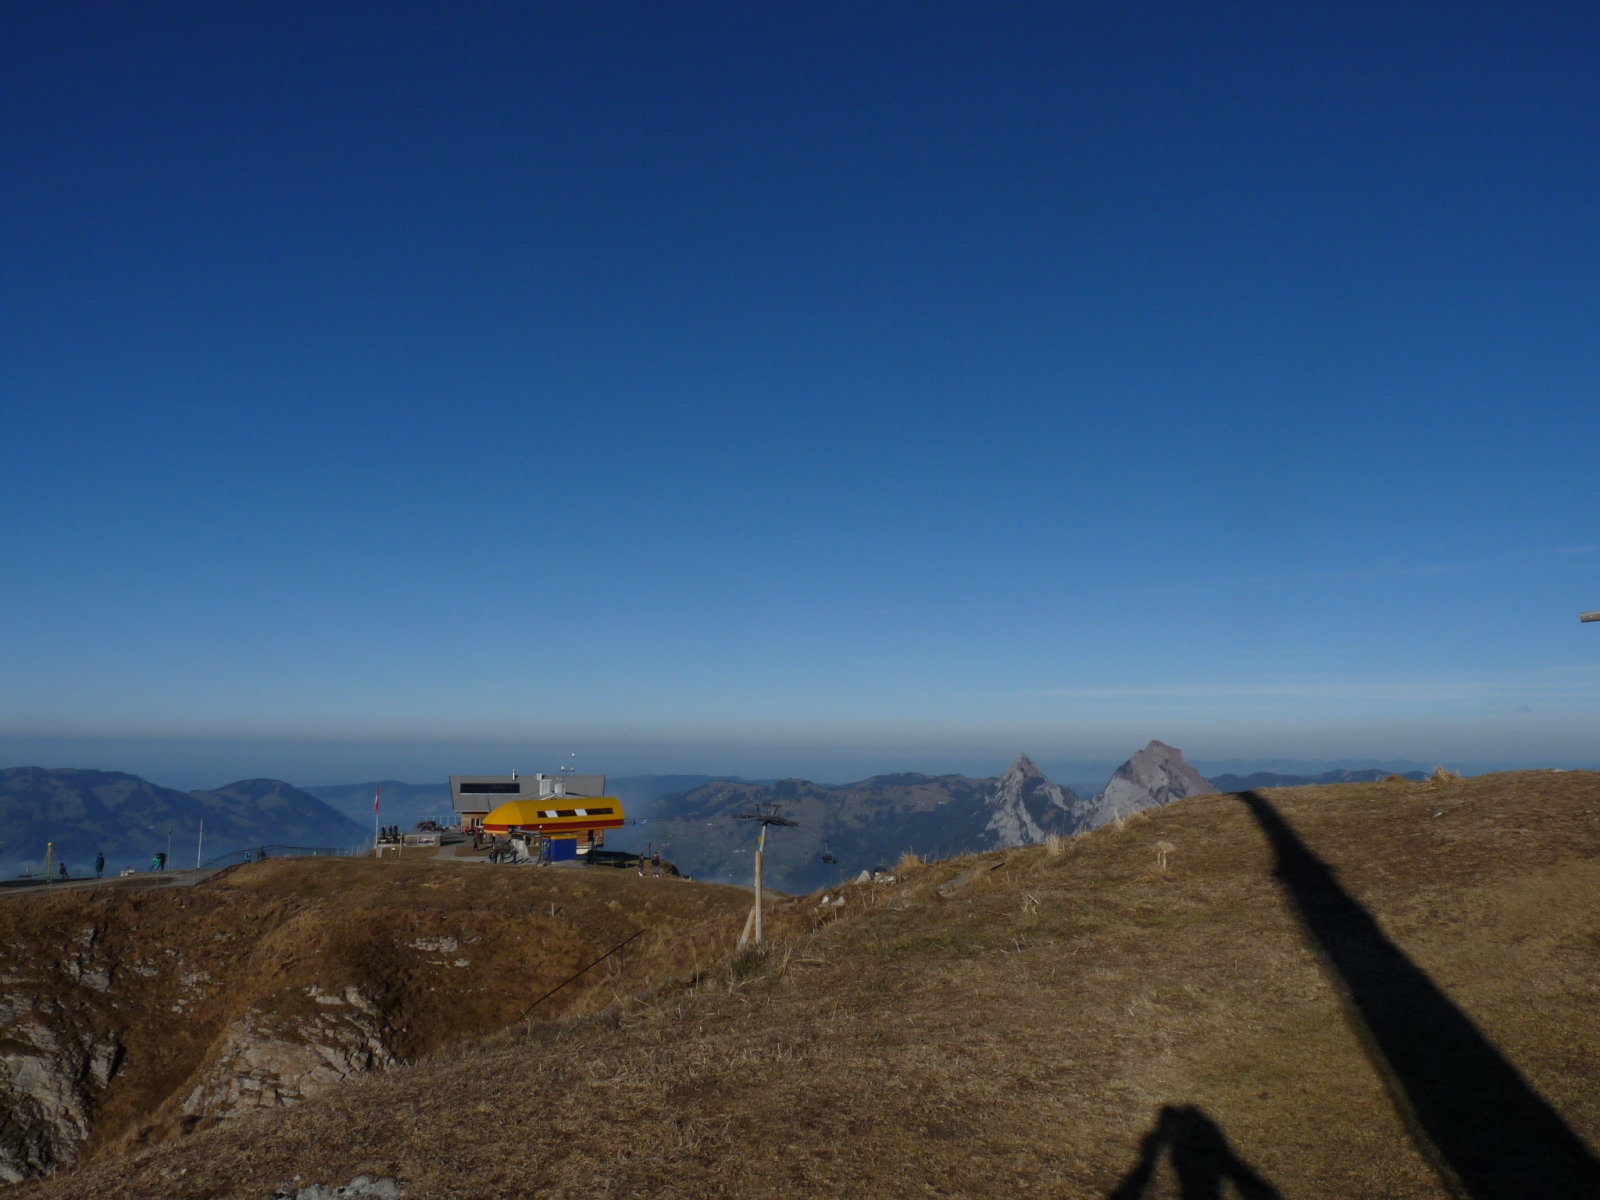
x=1154 y=776
x=268 y=1062
x=362 y=1187
x=50 y=1081
x=1025 y=807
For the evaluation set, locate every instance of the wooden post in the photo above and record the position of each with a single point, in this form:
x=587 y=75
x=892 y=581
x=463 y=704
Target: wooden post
x=767 y=814
x=761 y=846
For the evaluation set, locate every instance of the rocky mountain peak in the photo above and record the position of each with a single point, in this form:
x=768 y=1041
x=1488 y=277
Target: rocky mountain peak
x=1022 y=767
x=1154 y=776
x=1025 y=807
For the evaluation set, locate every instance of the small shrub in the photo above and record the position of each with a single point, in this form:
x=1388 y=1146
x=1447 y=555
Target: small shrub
x=1055 y=845
x=907 y=861
x=747 y=964
x=1443 y=776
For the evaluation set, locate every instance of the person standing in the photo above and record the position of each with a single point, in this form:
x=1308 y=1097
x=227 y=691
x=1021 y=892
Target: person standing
x=100 y=864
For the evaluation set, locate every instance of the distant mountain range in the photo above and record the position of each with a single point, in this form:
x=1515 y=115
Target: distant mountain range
x=691 y=818
x=870 y=823
x=82 y=813
x=402 y=804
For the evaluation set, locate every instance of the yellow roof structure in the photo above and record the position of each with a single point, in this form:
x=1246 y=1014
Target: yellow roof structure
x=556 y=814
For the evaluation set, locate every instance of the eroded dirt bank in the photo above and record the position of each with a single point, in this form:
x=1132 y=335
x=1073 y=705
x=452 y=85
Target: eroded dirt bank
x=128 y=1017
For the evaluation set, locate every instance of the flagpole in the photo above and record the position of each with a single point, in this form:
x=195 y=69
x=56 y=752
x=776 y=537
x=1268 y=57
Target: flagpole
x=376 y=796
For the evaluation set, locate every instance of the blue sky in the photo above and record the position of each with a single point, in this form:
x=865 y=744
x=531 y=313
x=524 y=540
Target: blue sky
x=796 y=388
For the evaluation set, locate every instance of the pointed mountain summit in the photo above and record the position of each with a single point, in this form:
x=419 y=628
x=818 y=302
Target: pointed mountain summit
x=1154 y=776
x=1025 y=807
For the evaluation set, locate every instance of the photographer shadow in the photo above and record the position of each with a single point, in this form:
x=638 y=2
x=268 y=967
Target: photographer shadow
x=1485 y=1131
x=1201 y=1158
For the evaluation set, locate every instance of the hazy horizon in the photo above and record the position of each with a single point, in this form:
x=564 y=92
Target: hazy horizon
x=196 y=765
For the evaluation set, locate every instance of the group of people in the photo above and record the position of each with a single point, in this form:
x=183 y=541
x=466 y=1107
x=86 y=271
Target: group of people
x=99 y=868
x=158 y=862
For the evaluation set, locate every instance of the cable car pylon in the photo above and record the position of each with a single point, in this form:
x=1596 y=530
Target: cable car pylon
x=767 y=814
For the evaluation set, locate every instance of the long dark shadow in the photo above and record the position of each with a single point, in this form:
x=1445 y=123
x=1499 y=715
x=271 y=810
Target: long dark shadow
x=1485 y=1130
x=1201 y=1158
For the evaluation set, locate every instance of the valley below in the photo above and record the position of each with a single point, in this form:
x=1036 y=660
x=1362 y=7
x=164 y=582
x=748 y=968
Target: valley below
x=1373 y=989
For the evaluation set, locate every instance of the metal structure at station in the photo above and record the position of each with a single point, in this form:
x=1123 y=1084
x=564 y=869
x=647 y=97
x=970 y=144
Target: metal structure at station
x=567 y=812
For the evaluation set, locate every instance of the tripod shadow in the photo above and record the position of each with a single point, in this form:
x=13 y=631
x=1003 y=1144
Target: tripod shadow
x=1201 y=1158
x=1486 y=1132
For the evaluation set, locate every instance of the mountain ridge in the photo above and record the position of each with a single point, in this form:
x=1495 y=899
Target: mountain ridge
x=81 y=812
x=866 y=825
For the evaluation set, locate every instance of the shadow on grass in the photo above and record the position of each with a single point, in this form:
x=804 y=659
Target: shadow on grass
x=1201 y=1159
x=1486 y=1132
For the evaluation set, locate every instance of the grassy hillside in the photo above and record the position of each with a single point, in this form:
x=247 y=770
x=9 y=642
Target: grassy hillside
x=371 y=962
x=1387 y=989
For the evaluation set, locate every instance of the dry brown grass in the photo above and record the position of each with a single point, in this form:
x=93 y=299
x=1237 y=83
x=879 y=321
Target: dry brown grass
x=447 y=952
x=1016 y=1037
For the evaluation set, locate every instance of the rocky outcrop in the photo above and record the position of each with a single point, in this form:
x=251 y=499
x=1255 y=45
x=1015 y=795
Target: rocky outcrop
x=55 y=1068
x=1025 y=807
x=1154 y=776
x=50 y=1080
x=362 y=1187
x=270 y=1061
x=134 y=1015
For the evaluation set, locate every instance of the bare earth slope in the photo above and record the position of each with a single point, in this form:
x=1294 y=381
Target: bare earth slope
x=131 y=1016
x=1386 y=989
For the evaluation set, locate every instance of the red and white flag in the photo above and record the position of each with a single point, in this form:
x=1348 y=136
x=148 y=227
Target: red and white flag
x=376 y=796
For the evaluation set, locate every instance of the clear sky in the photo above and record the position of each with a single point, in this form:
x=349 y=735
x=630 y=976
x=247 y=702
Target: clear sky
x=803 y=388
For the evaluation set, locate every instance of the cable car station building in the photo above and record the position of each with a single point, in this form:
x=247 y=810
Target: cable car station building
x=570 y=811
